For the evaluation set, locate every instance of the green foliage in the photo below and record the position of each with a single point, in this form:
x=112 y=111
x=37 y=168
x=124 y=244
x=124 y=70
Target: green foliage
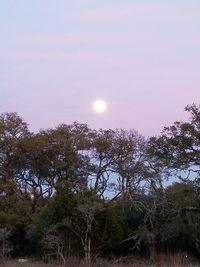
x=55 y=189
x=58 y=208
x=109 y=228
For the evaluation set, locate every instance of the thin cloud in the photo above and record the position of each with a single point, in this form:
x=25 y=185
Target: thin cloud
x=109 y=13
x=35 y=56
x=76 y=39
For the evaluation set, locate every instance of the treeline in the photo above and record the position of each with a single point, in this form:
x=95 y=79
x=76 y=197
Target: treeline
x=74 y=191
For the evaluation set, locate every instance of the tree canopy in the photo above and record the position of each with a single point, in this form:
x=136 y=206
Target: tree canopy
x=72 y=190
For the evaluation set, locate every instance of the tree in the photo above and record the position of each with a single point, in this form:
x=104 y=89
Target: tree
x=178 y=148
x=12 y=130
x=83 y=220
x=5 y=244
x=182 y=228
x=65 y=160
x=48 y=220
x=110 y=229
x=119 y=160
x=53 y=243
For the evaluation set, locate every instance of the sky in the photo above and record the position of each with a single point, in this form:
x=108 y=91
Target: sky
x=142 y=57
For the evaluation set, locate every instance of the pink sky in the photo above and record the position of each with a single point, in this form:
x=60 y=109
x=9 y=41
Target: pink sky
x=142 y=57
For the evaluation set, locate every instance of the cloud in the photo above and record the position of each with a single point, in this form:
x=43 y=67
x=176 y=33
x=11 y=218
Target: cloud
x=46 y=55
x=76 y=38
x=109 y=13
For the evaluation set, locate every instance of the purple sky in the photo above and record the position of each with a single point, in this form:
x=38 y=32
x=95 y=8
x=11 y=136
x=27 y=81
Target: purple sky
x=58 y=56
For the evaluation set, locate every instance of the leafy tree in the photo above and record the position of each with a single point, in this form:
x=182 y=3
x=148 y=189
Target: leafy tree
x=119 y=162
x=12 y=130
x=109 y=229
x=178 y=148
x=64 y=154
x=71 y=190
x=83 y=220
x=5 y=244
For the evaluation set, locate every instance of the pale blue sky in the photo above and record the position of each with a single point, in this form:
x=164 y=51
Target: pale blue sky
x=142 y=57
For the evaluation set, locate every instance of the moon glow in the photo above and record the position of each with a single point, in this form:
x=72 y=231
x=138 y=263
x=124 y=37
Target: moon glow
x=99 y=106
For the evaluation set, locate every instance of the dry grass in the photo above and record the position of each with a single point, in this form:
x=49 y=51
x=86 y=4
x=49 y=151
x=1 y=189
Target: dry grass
x=25 y=264
x=161 y=260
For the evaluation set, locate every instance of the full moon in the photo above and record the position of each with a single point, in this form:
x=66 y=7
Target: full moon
x=100 y=106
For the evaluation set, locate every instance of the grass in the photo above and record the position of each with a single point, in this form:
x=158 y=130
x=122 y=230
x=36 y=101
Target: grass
x=161 y=260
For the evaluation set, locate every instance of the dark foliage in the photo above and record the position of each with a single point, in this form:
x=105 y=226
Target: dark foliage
x=73 y=191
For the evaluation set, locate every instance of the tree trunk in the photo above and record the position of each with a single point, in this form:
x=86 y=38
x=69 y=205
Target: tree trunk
x=62 y=258
x=87 y=249
x=89 y=252
x=152 y=252
x=60 y=253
